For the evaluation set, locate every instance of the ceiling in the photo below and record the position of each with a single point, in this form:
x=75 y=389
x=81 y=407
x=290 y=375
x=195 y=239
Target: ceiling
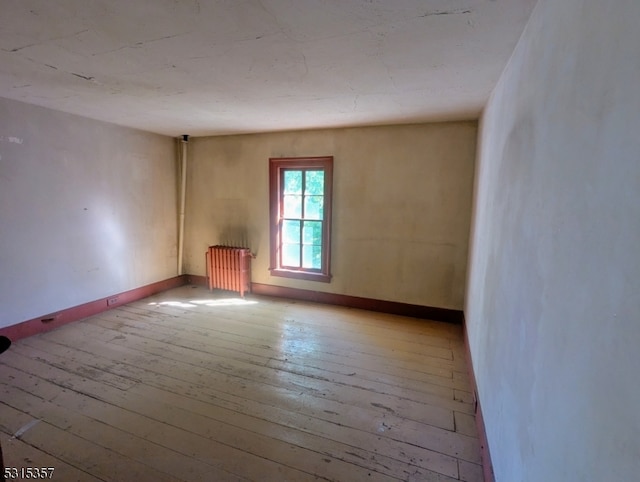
x=212 y=67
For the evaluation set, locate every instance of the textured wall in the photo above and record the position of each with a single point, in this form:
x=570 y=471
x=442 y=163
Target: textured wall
x=553 y=303
x=401 y=207
x=87 y=209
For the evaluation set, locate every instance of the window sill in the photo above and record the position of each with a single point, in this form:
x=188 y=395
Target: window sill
x=306 y=275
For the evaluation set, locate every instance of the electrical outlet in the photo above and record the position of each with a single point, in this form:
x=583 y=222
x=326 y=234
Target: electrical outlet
x=112 y=301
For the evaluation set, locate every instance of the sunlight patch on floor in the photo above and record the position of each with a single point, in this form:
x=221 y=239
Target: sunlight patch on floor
x=206 y=302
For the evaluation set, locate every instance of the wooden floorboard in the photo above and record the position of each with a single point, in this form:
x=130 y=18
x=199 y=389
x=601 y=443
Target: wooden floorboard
x=194 y=385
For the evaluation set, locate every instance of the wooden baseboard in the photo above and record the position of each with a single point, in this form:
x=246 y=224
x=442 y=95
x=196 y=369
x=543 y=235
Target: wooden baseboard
x=75 y=313
x=393 y=307
x=487 y=467
x=195 y=279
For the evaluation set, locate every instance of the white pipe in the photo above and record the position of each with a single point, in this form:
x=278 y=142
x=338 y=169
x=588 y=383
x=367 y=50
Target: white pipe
x=183 y=198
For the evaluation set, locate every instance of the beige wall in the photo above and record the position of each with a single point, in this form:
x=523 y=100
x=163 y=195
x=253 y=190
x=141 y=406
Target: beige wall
x=87 y=210
x=553 y=304
x=402 y=202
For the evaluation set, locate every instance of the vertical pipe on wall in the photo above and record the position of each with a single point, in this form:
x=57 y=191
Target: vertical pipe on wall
x=183 y=196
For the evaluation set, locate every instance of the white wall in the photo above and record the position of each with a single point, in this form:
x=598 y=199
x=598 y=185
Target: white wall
x=553 y=301
x=87 y=209
x=401 y=206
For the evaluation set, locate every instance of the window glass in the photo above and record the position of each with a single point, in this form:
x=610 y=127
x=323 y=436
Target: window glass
x=292 y=206
x=314 y=182
x=313 y=207
x=291 y=255
x=291 y=231
x=312 y=233
x=312 y=257
x=292 y=182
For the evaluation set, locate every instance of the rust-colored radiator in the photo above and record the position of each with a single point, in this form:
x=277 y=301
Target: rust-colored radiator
x=229 y=268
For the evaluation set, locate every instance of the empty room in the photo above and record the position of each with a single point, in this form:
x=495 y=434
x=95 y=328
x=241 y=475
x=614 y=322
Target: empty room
x=320 y=240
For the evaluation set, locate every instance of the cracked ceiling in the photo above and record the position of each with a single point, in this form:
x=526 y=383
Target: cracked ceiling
x=238 y=66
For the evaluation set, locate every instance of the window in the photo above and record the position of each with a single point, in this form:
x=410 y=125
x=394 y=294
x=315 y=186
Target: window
x=300 y=203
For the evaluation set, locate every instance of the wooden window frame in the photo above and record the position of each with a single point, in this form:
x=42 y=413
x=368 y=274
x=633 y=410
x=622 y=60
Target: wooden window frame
x=276 y=166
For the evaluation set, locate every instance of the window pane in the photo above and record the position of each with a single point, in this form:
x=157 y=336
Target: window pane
x=314 y=182
x=312 y=232
x=312 y=257
x=291 y=255
x=291 y=231
x=292 y=182
x=313 y=207
x=292 y=206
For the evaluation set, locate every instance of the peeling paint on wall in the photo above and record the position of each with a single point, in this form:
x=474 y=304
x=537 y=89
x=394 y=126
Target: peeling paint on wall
x=11 y=139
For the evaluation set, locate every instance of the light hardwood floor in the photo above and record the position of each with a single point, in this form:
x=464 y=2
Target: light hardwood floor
x=201 y=386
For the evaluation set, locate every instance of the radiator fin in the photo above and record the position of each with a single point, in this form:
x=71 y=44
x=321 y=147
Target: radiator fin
x=229 y=268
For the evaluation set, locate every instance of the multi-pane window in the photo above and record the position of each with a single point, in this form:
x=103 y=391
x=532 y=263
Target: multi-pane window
x=300 y=217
